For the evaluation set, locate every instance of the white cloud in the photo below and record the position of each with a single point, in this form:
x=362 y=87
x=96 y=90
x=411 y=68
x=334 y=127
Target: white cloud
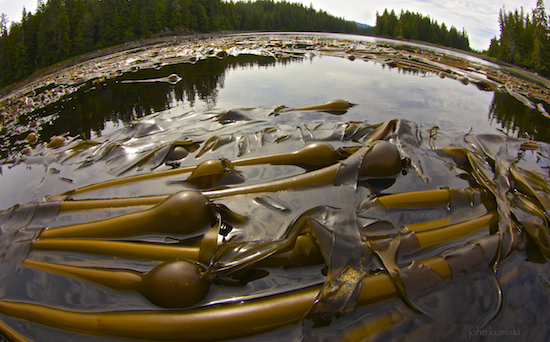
x=480 y=19
x=14 y=9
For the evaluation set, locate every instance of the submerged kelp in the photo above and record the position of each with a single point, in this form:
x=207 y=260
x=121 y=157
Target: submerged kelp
x=280 y=222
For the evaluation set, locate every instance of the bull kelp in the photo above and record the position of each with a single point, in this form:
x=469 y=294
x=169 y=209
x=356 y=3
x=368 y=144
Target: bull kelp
x=211 y=220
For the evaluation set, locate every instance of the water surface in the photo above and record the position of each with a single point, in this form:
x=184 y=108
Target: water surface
x=235 y=98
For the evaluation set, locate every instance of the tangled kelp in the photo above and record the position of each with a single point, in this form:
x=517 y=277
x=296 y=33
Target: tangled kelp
x=340 y=215
x=275 y=223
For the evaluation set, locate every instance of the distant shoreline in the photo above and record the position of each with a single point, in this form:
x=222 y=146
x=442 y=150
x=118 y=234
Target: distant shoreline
x=135 y=44
x=175 y=39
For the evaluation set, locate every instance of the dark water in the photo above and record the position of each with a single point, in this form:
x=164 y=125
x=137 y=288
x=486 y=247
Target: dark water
x=230 y=108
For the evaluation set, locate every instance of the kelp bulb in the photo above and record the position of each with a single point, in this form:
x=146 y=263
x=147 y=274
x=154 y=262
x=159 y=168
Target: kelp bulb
x=31 y=138
x=383 y=160
x=183 y=212
x=56 y=142
x=208 y=168
x=177 y=153
x=175 y=284
x=339 y=104
x=317 y=154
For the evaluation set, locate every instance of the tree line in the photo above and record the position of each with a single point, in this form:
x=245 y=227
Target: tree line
x=418 y=27
x=524 y=39
x=60 y=29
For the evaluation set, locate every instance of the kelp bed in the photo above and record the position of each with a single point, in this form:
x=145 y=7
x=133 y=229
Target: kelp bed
x=275 y=223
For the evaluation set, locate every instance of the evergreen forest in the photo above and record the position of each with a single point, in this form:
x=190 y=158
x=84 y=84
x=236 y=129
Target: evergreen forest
x=524 y=39
x=61 y=29
x=415 y=26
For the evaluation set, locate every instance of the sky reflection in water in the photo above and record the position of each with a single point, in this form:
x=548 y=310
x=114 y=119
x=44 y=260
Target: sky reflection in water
x=210 y=87
x=381 y=92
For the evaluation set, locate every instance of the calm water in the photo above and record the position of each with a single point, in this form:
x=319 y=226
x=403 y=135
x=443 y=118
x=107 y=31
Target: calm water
x=380 y=92
x=126 y=125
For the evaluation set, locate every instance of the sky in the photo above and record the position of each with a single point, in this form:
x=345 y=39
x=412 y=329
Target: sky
x=478 y=17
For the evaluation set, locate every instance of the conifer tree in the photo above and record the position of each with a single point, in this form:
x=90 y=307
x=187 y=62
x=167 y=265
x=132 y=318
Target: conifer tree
x=415 y=26
x=524 y=40
x=60 y=29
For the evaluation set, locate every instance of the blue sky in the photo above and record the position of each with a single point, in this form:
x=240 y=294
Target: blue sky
x=479 y=18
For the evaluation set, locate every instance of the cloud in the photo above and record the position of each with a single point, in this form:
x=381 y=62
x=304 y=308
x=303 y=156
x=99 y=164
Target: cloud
x=14 y=9
x=479 y=19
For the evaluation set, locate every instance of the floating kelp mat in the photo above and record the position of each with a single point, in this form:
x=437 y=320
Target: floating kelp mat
x=202 y=219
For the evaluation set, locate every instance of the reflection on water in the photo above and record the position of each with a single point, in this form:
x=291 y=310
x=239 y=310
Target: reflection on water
x=383 y=91
x=96 y=103
x=408 y=215
x=518 y=120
